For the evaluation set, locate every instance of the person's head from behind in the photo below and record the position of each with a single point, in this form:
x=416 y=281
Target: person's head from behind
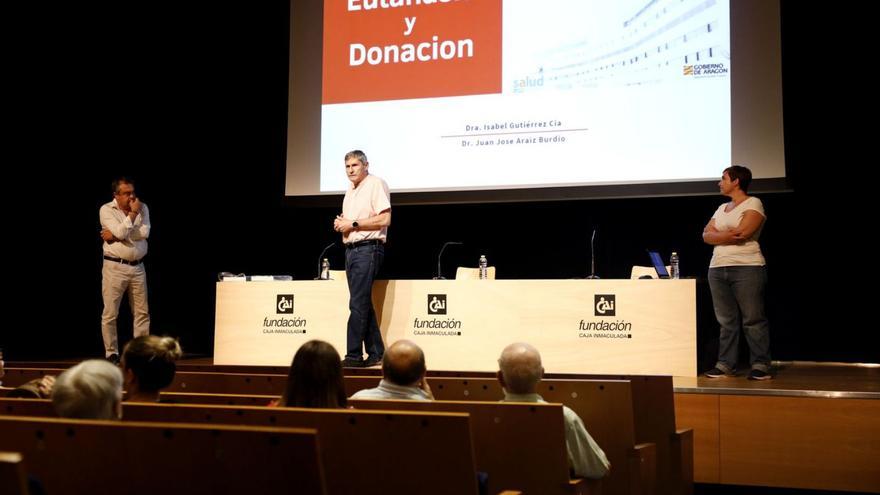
x=736 y=175
x=149 y=363
x=315 y=378
x=90 y=390
x=404 y=363
x=519 y=369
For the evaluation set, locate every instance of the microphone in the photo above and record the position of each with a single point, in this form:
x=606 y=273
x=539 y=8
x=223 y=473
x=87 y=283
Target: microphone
x=320 y=257
x=439 y=273
x=593 y=255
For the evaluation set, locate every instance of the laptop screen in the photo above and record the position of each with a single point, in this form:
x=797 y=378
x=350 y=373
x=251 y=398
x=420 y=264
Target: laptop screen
x=657 y=261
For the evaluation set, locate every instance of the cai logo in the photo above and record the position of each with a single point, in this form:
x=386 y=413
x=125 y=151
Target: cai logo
x=604 y=304
x=284 y=304
x=436 y=304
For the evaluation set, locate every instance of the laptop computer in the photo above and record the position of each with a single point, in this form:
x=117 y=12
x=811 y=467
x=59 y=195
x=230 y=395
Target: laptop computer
x=659 y=266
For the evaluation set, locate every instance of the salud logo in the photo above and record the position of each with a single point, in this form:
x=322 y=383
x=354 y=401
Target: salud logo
x=604 y=304
x=436 y=304
x=284 y=304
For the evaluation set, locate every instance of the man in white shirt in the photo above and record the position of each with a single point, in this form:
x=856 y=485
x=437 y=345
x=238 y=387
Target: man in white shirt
x=125 y=227
x=520 y=372
x=366 y=215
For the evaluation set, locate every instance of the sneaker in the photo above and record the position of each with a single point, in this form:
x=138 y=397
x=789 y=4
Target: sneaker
x=373 y=362
x=715 y=373
x=113 y=358
x=759 y=375
x=352 y=363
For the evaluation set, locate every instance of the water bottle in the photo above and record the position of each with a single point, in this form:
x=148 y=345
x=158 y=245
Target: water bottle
x=674 y=264
x=325 y=269
x=484 y=270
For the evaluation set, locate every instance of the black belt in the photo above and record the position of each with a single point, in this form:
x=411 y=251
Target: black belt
x=124 y=262
x=367 y=242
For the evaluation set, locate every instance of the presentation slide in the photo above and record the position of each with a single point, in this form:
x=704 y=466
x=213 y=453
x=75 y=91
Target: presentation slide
x=458 y=95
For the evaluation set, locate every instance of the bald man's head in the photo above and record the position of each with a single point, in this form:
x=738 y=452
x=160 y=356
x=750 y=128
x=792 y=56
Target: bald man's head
x=403 y=363
x=520 y=368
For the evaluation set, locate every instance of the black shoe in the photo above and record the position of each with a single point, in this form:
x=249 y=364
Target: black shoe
x=372 y=362
x=759 y=375
x=715 y=373
x=113 y=358
x=352 y=363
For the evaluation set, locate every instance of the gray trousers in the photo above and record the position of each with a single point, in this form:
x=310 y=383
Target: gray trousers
x=118 y=279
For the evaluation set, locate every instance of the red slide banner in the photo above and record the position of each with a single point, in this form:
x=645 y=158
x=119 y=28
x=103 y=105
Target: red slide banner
x=402 y=49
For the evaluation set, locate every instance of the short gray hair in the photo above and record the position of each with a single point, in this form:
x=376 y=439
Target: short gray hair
x=520 y=366
x=357 y=155
x=90 y=390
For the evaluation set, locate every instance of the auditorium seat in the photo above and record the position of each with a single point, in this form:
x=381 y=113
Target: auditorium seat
x=162 y=457
x=12 y=474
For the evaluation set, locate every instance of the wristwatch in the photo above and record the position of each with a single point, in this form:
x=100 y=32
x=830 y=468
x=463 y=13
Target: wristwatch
x=355 y=224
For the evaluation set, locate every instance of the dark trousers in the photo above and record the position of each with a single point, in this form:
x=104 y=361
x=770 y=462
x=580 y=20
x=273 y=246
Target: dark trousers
x=362 y=263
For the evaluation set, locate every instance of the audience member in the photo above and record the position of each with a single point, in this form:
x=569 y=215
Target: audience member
x=90 y=390
x=520 y=372
x=148 y=365
x=403 y=375
x=38 y=388
x=315 y=378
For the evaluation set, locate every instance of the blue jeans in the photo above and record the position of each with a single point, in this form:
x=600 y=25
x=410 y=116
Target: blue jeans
x=362 y=263
x=738 y=297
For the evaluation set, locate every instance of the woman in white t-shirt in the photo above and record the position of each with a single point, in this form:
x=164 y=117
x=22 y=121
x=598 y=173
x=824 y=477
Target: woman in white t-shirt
x=737 y=276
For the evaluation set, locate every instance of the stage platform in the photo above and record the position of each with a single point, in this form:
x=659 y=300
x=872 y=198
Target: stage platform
x=814 y=426
x=795 y=379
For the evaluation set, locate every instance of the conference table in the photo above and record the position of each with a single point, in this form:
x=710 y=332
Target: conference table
x=635 y=327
